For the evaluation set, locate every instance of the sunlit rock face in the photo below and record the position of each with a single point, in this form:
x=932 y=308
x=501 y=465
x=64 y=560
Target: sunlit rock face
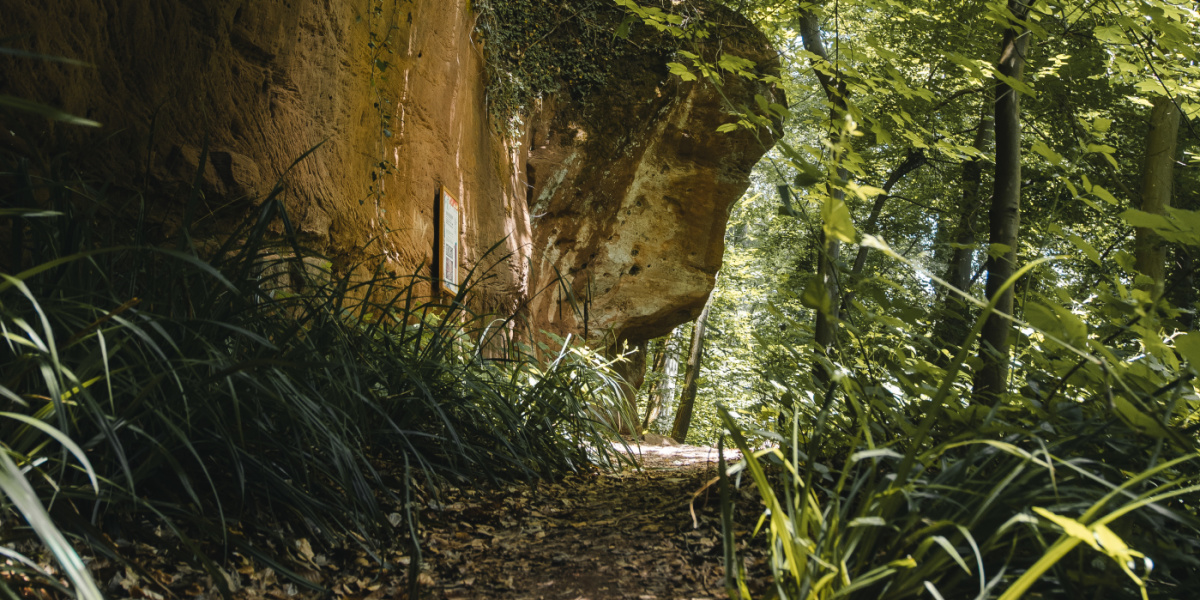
x=626 y=194
x=395 y=100
x=629 y=195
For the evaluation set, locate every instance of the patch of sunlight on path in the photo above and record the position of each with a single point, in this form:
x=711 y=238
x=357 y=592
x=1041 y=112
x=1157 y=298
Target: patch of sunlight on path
x=633 y=534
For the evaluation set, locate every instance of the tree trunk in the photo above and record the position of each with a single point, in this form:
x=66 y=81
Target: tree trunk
x=663 y=390
x=952 y=325
x=656 y=368
x=912 y=162
x=1183 y=287
x=825 y=329
x=1005 y=216
x=683 y=416
x=1150 y=251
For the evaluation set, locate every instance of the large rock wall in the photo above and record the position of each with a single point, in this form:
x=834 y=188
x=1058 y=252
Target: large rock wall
x=629 y=192
x=266 y=81
x=630 y=195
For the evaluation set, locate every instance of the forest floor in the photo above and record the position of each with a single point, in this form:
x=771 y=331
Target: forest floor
x=650 y=532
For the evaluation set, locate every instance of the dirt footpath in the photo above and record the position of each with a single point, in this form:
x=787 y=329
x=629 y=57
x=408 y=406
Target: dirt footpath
x=636 y=534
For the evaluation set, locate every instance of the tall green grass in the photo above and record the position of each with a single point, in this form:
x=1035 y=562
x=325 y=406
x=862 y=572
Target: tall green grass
x=253 y=382
x=871 y=494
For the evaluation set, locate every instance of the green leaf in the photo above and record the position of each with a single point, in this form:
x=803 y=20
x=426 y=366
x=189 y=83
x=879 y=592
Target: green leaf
x=866 y=192
x=735 y=64
x=1101 y=124
x=1071 y=187
x=998 y=250
x=868 y=522
x=727 y=127
x=1070 y=526
x=836 y=217
x=762 y=104
x=816 y=296
x=682 y=71
x=623 y=30
x=1103 y=194
x=952 y=551
x=1088 y=249
x=875 y=453
x=1056 y=322
x=1073 y=329
x=1136 y=418
x=785 y=199
x=61 y=438
x=1113 y=545
x=1181 y=226
x=1188 y=346
x=1050 y=155
x=21 y=494
x=1139 y=218
x=1015 y=84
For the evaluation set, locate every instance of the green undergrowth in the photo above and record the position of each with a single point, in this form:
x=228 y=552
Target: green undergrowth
x=252 y=385
x=898 y=483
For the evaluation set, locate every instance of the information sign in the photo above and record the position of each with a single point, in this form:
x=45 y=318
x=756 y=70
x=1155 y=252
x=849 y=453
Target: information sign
x=449 y=243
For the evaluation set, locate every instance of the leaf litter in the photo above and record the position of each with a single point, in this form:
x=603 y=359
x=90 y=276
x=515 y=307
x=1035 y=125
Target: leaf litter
x=632 y=534
x=642 y=533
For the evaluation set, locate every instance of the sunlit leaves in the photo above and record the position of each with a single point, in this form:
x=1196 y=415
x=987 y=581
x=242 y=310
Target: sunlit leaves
x=1095 y=346
x=681 y=71
x=1041 y=148
x=1188 y=346
x=1088 y=250
x=1014 y=83
x=1057 y=321
x=736 y=65
x=1178 y=225
x=816 y=296
x=836 y=218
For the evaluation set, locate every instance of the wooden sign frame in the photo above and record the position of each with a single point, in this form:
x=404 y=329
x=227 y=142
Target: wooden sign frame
x=448 y=245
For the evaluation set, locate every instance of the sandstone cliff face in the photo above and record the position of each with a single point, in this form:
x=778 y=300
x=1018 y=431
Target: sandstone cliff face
x=629 y=195
x=394 y=97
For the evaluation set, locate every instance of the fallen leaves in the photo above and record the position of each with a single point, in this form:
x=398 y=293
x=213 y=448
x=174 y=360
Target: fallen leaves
x=596 y=537
x=651 y=533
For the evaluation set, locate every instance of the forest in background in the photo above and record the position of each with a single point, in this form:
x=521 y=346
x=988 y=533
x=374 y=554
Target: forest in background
x=923 y=152
x=940 y=160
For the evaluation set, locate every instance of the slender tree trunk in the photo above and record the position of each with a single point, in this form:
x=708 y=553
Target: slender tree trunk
x=825 y=329
x=1183 y=288
x=952 y=325
x=663 y=392
x=683 y=416
x=1150 y=250
x=1005 y=215
x=654 y=374
x=912 y=162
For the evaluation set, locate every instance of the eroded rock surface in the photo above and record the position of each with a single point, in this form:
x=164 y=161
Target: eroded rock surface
x=394 y=98
x=626 y=195
x=630 y=196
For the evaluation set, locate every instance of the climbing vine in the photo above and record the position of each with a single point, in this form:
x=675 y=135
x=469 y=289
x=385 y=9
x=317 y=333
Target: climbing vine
x=379 y=43
x=540 y=47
